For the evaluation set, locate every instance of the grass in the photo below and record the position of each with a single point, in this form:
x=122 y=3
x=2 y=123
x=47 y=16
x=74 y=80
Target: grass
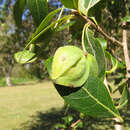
x=18 y=103
x=29 y=107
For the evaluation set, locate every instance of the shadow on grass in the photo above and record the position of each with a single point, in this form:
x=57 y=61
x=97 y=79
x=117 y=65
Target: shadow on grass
x=47 y=121
x=43 y=121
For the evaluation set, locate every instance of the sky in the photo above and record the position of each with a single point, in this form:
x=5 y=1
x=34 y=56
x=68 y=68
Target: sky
x=1 y=3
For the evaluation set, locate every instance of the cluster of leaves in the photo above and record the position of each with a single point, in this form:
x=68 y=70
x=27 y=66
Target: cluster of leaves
x=93 y=98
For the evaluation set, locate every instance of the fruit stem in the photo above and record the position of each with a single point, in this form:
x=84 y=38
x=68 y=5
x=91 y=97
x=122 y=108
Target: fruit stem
x=83 y=45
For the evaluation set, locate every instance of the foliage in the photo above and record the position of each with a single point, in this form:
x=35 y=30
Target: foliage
x=13 y=39
x=93 y=98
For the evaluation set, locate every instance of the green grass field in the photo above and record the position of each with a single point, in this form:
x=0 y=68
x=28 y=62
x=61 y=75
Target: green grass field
x=30 y=107
x=19 y=103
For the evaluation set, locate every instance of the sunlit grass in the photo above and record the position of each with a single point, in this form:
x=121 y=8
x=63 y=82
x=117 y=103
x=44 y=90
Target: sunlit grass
x=18 y=103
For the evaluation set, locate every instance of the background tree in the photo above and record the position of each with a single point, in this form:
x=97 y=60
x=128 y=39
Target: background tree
x=12 y=39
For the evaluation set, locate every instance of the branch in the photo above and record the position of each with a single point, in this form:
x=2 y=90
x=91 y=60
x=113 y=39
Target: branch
x=75 y=124
x=99 y=29
x=126 y=53
x=118 y=125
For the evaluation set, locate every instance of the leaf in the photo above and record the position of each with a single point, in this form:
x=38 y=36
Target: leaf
x=67 y=119
x=45 y=22
x=25 y=56
x=18 y=11
x=93 y=46
x=124 y=98
x=39 y=9
x=92 y=98
x=85 y=5
x=58 y=125
x=126 y=19
x=114 y=62
x=47 y=28
x=103 y=42
x=48 y=63
x=64 y=26
x=72 y=4
x=46 y=37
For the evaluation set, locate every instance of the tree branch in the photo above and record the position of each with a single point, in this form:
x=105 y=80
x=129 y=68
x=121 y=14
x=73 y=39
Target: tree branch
x=74 y=124
x=99 y=29
x=118 y=125
x=126 y=53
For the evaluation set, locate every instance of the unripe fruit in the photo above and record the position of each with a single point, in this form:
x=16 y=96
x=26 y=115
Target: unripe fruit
x=70 y=67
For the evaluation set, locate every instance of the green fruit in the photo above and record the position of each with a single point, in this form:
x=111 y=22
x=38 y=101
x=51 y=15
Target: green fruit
x=70 y=67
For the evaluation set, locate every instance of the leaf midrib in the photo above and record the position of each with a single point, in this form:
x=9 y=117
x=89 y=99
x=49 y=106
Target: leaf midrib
x=116 y=115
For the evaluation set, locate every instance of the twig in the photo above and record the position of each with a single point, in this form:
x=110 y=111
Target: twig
x=98 y=28
x=118 y=125
x=126 y=53
x=74 y=124
x=62 y=9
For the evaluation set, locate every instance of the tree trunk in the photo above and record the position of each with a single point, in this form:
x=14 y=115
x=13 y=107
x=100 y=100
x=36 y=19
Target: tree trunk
x=8 y=80
x=7 y=73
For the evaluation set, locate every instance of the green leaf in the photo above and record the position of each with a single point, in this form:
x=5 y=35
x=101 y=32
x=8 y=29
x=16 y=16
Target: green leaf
x=25 y=56
x=126 y=19
x=93 y=46
x=85 y=5
x=113 y=61
x=45 y=22
x=39 y=9
x=124 y=98
x=67 y=119
x=103 y=43
x=64 y=26
x=48 y=63
x=45 y=38
x=72 y=4
x=58 y=125
x=18 y=11
x=92 y=98
x=47 y=28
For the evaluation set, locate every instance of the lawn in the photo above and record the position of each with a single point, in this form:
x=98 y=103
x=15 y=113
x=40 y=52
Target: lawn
x=19 y=103
x=29 y=107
